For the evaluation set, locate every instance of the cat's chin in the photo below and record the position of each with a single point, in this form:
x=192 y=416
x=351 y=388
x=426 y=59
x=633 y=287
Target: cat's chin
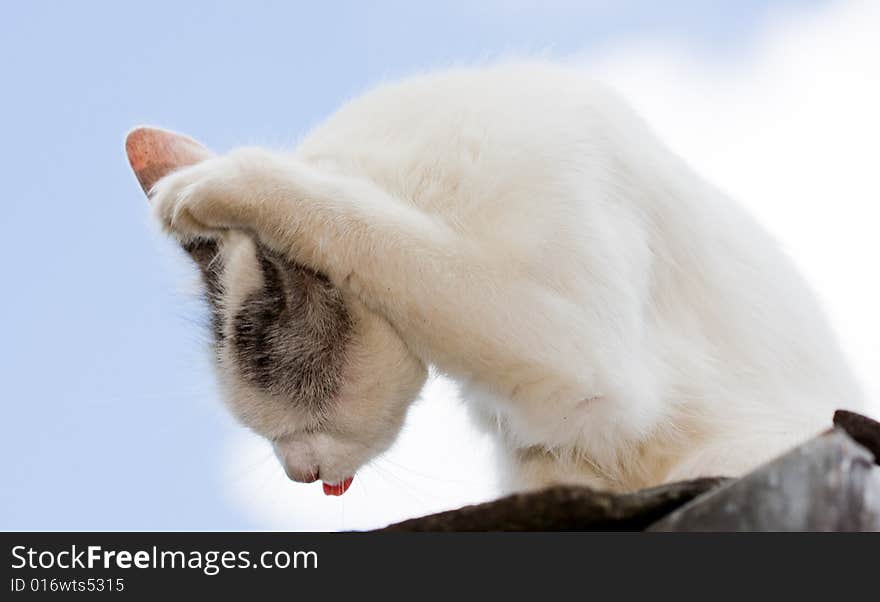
x=339 y=488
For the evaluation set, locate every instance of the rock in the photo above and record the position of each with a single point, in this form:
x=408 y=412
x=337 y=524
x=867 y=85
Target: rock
x=863 y=430
x=565 y=508
x=830 y=483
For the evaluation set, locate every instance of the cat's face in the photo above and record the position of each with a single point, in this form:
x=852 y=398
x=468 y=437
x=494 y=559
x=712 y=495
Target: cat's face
x=307 y=366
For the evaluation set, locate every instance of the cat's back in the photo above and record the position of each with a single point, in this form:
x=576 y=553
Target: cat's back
x=496 y=101
x=480 y=146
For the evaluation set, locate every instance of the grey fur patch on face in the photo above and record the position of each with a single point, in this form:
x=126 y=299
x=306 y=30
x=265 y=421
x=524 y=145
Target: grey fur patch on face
x=289 y=338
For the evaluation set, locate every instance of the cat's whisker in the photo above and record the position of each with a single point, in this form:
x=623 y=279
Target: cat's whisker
x=401 y=484
x=243 y=472
x=417 y=473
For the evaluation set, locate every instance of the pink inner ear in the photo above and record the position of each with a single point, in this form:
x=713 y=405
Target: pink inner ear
x=154 y=153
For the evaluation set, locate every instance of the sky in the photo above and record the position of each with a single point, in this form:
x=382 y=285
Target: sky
x=109 y=416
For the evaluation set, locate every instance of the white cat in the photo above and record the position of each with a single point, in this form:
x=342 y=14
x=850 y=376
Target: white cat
x=614 y=319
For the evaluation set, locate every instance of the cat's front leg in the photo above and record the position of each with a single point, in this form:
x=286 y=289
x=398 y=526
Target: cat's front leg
x=234 y=191
x=344 y=227
x=445 y=293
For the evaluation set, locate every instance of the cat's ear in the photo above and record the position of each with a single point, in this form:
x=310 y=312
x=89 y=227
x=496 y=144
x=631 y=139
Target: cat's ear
x=154 y=153
x=203 y=251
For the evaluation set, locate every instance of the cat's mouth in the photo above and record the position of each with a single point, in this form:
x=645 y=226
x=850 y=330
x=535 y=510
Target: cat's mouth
x=338 y=488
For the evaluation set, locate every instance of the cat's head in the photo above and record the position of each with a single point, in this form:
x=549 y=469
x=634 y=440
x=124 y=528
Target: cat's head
x=303 y=363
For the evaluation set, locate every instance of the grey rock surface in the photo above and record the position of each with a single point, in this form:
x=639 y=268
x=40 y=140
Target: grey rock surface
x=830 y=483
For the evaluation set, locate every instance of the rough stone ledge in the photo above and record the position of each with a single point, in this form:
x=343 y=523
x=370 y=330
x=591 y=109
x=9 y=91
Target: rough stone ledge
x=565 y=508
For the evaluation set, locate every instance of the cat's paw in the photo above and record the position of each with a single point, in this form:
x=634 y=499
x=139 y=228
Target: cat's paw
x=213 y=196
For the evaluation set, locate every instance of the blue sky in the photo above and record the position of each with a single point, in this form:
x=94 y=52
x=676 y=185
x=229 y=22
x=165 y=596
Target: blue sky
x=109 y=414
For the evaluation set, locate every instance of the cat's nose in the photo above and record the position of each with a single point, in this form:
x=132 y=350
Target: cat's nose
x=298 y=461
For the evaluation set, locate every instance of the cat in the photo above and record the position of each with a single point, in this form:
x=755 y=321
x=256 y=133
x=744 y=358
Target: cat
x=613 y=319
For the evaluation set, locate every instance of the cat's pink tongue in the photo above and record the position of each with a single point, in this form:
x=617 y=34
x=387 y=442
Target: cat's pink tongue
x=338 y=488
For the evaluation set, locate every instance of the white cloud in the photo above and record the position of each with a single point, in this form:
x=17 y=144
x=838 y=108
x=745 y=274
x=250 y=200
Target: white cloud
x=792 y=131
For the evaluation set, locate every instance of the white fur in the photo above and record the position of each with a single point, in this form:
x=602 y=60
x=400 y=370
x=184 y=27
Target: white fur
x=614 y=319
